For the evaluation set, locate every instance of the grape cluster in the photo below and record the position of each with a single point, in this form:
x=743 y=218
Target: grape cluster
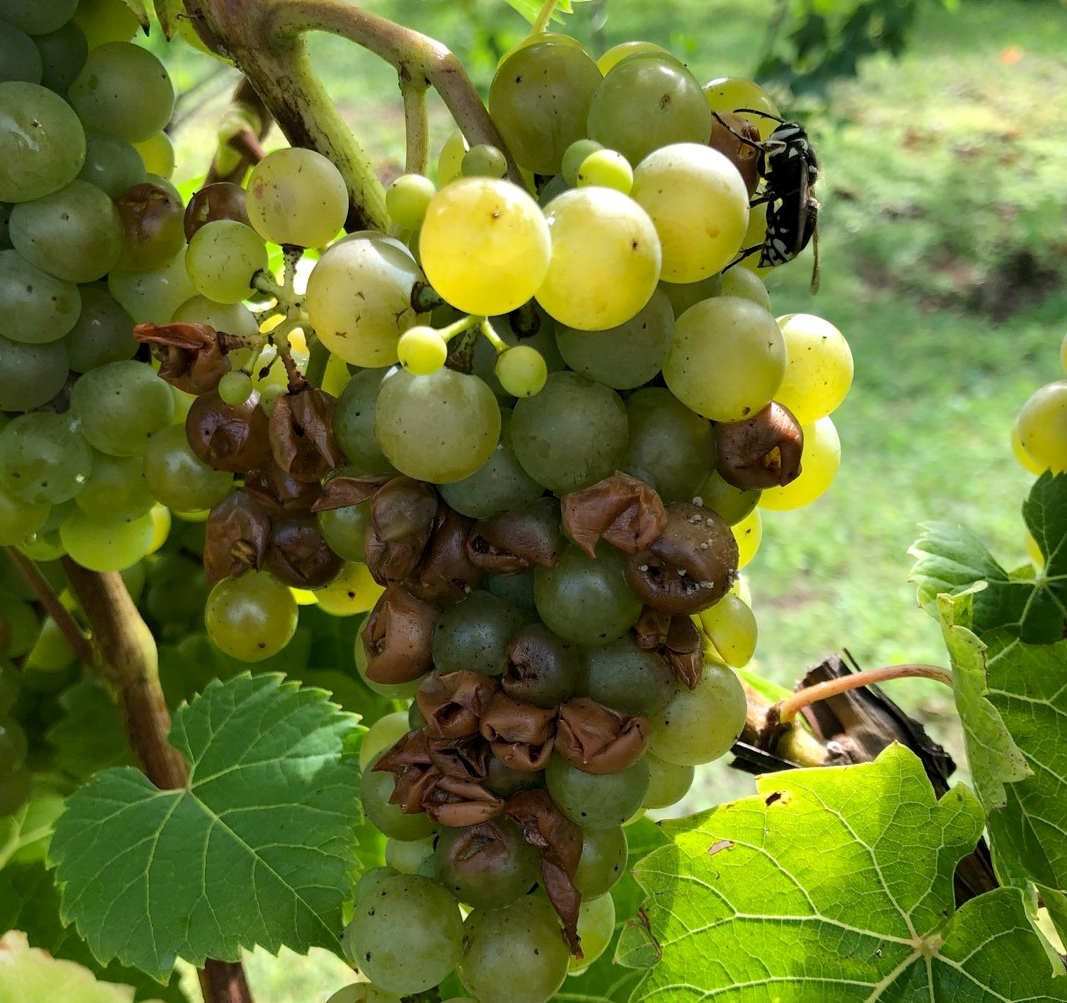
x=1039 y=434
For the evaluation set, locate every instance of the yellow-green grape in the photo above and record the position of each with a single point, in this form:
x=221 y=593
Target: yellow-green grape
x=605 y=259
x=296 y=196
x=667 y=783
x=382 y=735
x=450 y=159
x=1041 y=429
x=106 y=21
x=407 y=198
x=50 y=653
x=1063 y=353
x=20 y=519
x=1024 y=459
x=727 y=359
x=161 y=523
x=483 y=160
x=818 y=370
x=574 y=156
x=700 y=725
x=360 y=992
x=521 y=370
x=617 y=53
x=484 y=245
x=755 y=236
x=359 y=298
x=822 y=458
x=748 y=285
x=683 y=295
x=596 y=927
x=30 y=169
x=149 y=296
x=269 y=393
x=235 y=387
x=409 y=856
x=699 y=205
x=421 y=350
x=106 y=546
x=731 y=627
x=157 y=153
x=607 y=168
x=748 y=533
x=352 y=591
x=222 y=258
x=250 y=618
x=728 y=94
x=740 y=588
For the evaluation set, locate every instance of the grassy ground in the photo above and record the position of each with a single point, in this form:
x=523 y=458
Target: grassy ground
x=943 y=256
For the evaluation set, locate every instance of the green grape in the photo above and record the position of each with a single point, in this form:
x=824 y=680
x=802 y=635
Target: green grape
x=43 y=546
x=584 y=600
x=51 y=652
x=748 y=532
x=522 y=371
x=296 y=196
x=63 y=54
x=5 y=217
x=153 y=229
x=352 y=591
x=235 y=387
x=617 y=53
x=603 y=860
x=407 y=199
x=630 y=679
x=733 y=504
x=222 y=259
x=42 y=460
x=539 y=99
x=1063 y=354
x=683 y=295
x=699 y=205
x=700 y=725
x=250 y=618
x=42 y=144
x=123 y=90
x=421 y=350
x=608 y=169
x=23 y=626
x=596 y=927
x=727 y=360
x=112 y=164
x=120 y=406
x=115 y=490
x=19 y=519
x=667 y=783
x=597 y=801
x=73 y=234
x=37 y=17
x=440 y=427
x=542 y=340
x=411 y=856
x=368 y=881
x=106 y=21
x=484 y=245
x=9 y=686
x=483 y=161
x=408 y=934
x=33 y=374
x=570 y=435
x=450 y=159
x=375 y=791
x=728 y=94
x=731 y=627
x=382 y=735
x=748 y=285
x=818 y=370
x=345 y=530
x=605 y=259
x=149 y=296
x=177 y=477
x=574 y=156
x=671 y=448
x=822 y=458
x=157 y=152
x=1040 y=430
x=14 y=790
x=474 y=634
x=648 y=102
x=106 y=545
x=514 y=954
x=19 y=57
x=233 y=318
x=362 y=992
x=625 y=356
x=103 y=332
x=497 y=485
x=359 y=298
x=487 y=881
x=353 y=421
x=35 y=308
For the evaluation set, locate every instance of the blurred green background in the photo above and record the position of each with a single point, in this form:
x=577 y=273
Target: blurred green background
x=944 y=251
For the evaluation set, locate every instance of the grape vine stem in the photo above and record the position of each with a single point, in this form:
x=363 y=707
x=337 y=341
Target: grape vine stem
x=791 y=706
x=67 y=625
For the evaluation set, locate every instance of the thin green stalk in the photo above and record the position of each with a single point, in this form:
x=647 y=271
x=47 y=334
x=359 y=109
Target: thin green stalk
x=548 y=8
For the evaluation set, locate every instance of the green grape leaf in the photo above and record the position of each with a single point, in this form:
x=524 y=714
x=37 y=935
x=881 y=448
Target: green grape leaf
x=951 y=559
x=89 y=736
x=30 y=975
x=24 y=834
x=258 y=850
x=835 y=885
x=168 y=12
x=29 y=902
x=529 y=9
